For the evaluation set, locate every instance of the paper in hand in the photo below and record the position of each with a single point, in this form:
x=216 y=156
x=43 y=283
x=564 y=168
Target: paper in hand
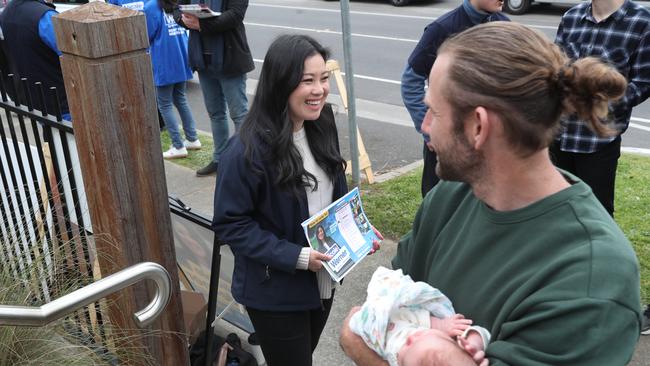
x=200 y=11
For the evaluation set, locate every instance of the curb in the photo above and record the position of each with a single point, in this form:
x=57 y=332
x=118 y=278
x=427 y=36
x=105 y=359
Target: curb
x=381 y=178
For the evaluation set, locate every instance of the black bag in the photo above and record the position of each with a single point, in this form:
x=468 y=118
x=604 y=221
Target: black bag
x=197 y=350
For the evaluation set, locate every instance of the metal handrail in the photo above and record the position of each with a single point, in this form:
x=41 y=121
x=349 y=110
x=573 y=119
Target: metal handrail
x=42 y=315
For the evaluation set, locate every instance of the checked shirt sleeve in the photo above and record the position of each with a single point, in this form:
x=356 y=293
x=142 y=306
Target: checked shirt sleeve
x=638 y=88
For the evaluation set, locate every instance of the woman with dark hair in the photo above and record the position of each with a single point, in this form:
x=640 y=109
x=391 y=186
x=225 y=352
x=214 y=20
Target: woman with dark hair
x=283 y=167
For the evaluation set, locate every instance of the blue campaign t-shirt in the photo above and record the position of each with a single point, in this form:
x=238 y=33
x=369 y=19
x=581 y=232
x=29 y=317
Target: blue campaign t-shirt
x=167 y=42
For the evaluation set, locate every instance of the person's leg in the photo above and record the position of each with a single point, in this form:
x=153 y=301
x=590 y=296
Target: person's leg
x=215 y=104
x=284 y=336
x=429 y=176
x=234 y=88
x=180 y=101
x=645 y=326
x=318 y=319
x=161 y=121
x=164 y=99
x=598 y=170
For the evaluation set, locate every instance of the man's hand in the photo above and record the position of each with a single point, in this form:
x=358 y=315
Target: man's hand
x=191 y=21
x=355 y=348
x=316 y=260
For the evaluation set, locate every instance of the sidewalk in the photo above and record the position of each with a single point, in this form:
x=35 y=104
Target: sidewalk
x=198 y=193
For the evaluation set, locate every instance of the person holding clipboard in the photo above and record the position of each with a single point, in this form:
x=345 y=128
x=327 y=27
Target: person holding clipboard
x=218 y=50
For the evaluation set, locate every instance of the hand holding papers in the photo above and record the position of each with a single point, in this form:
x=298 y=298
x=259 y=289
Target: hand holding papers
x=200 y=11
x=342 y=231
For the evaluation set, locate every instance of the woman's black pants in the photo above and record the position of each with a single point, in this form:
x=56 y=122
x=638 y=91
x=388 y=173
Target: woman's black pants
x=288 y=338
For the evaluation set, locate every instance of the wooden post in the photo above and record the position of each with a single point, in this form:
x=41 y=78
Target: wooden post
x=110 y=89
x=364 y=159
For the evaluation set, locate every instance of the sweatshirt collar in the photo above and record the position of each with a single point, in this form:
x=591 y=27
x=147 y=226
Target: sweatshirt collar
x=475 y=16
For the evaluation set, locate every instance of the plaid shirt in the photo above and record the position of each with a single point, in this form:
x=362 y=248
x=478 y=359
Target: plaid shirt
x=623 y=41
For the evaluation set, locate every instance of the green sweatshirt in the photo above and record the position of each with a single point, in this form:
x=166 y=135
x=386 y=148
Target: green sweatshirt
x=556 y=282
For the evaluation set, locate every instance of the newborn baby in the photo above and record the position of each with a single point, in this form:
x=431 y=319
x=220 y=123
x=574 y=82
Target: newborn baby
x=411 y=323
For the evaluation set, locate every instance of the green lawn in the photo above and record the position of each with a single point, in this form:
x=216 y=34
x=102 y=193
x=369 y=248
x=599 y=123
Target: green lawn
x=197 y=158
x=391 y=207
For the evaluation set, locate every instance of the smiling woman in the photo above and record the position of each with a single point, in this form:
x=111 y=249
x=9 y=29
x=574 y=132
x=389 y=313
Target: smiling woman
x=284 y=166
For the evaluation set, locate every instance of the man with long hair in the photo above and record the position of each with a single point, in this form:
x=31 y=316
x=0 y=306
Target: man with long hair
x=469 y=14
x=519 y=246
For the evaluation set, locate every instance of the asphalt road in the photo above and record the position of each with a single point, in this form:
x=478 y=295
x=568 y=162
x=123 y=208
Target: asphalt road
x=383 y=37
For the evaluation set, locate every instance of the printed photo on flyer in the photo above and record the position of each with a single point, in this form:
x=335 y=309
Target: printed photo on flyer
x=343 y=231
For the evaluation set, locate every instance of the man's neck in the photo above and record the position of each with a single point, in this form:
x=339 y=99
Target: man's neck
x=602 y=9
x=474 y=5
x=512 y=184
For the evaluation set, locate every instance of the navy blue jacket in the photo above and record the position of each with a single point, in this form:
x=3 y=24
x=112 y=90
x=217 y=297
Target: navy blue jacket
x=261 y=224
x=28 y=56
x=237 y=58
x=456 y=21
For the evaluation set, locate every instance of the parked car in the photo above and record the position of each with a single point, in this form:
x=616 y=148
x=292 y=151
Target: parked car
x=394 y=2
x=518 y=7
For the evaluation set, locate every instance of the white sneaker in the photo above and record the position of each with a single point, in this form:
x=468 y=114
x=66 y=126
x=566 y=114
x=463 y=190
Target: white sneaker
x=192 y=145
x=174 y=153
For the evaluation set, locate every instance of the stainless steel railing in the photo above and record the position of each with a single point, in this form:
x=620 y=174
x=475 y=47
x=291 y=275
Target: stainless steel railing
x=42 y=315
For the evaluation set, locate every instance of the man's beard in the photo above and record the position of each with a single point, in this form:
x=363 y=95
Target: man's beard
x=459 y=162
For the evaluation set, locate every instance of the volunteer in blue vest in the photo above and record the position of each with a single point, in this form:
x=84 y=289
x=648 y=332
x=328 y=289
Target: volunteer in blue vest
x=31 y=51
x=171 y=70
x=469 y=14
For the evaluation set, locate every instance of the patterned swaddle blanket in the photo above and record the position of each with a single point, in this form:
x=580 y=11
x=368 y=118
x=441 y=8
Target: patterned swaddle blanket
x=391 y=292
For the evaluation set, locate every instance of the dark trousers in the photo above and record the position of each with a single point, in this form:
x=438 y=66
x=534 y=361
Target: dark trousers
x=289 y=337
x=597 y=169
x=429 y=176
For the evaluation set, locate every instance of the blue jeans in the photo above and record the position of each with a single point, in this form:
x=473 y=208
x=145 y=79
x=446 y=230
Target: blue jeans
x=223 y=96
x=174 y=94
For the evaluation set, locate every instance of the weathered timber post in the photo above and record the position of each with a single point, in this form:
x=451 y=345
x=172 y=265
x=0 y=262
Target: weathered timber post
x=110 y=90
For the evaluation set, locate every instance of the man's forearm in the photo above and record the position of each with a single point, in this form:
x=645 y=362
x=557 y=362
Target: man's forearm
x=355 y=348
x=361 y=355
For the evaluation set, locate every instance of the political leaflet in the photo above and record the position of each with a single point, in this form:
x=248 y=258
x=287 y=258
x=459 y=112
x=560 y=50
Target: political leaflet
x=342 y=231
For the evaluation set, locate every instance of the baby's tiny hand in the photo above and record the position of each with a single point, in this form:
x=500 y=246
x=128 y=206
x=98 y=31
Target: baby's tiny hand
x=454 y=326
x=473 y=345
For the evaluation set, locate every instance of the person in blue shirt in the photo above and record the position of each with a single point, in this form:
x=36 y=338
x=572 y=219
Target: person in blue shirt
x=30 y=48
x=168 y=49
x=469 y=14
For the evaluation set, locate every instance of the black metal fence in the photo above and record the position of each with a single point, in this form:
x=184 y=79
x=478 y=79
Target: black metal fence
x=45 y=223
x=45 y=229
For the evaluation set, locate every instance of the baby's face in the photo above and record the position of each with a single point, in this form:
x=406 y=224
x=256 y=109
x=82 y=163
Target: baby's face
x=429 y=347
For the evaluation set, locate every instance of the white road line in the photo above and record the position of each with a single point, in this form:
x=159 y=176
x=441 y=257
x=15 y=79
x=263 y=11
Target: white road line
x=642 y=120
x=441 y=10
x=397 y=82
x=365 y=77
x=431 y=18
x=328 y=31
x=383 y=112
x=644 y=128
